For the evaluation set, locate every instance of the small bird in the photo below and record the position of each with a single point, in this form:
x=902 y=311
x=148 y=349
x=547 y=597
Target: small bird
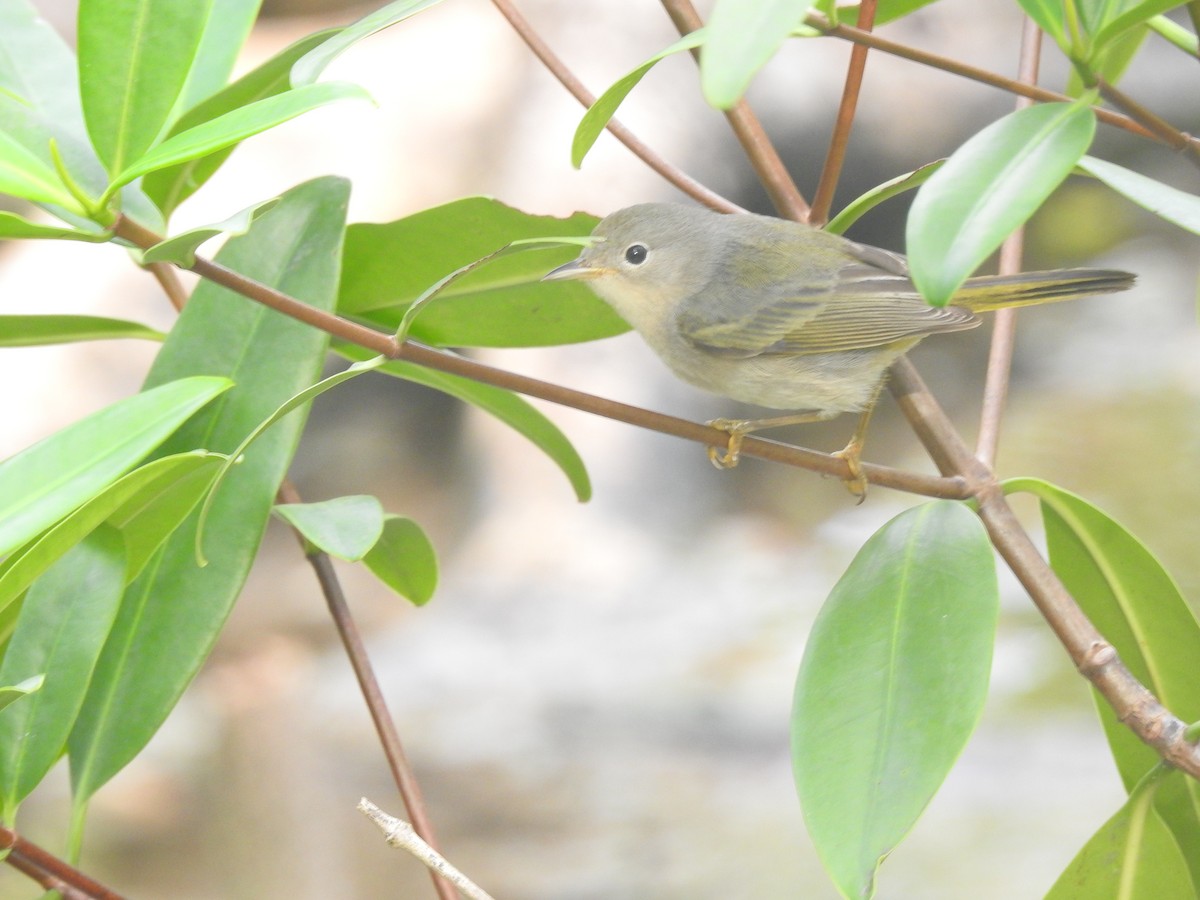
x=783 y=315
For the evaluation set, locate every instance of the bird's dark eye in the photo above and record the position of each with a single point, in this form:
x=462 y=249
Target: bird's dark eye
x=635 y=254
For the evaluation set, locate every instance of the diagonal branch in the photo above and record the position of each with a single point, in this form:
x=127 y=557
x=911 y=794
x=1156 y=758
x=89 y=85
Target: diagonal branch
x=49 y=871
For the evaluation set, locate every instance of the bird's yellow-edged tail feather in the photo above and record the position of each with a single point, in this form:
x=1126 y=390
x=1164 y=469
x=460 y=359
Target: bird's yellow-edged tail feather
x=988 y=292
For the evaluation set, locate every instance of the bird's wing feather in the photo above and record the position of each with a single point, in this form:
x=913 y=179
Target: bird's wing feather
x=860 y=299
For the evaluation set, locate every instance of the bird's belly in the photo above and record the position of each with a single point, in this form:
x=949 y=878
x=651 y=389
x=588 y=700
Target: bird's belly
x=828 y=382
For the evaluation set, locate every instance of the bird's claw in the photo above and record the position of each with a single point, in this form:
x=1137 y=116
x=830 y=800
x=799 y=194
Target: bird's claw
x=856 y=481
x=728 y=457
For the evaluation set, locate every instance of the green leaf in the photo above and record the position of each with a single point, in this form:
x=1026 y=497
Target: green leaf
x=864 y=203
x=742 y=36
x=1166 y=202
x=43 y=483
x=14 y=226
x=32 y=331
x=181 y=248
x=601 y=112
x=1132 y=857
x=1175 y=34
x=345 y=527
x=237 y=125
x=1048 y=16
x=23 y=174
x=225 y=33
x=159 y=494
x=505 y=304
x=308 y=69
x=170 y=186
x=11 y=693
x=134 y=58
x=989 y=187
x=1109 y=21
x=506 y=406
x=173 y=611
x=404 y=560
x=1108 y=62
x=885 y=11
x=62 y=626
x=892 y=683
x=1139 y=609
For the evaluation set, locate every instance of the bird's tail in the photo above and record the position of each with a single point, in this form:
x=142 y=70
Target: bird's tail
x=989 y=292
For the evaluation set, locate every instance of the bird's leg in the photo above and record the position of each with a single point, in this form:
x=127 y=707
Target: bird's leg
x=852 y=452
x=739 y=428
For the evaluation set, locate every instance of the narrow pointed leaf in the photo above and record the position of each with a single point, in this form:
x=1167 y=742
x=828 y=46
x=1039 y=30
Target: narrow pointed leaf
x=1172 y=204
x=988 y=188
x=25 y=175
x=134 y=58
x=173 y=611
x=11 y=693
x=43 y=483
x=864 y=203
x=404 y=560
x=180 y=249
x=1048 y=15
x=62 y=626
x=892 y=683
x=345 y=527
x=225 y=33
x=309 y=68
x=742 y=36
x=600 y=113
x=237 y=125
x=32 y=331
x=512 y=410
x=14 y=226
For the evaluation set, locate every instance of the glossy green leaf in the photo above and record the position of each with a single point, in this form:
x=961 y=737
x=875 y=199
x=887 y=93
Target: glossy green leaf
x=43 y=483
x=885 y=11
x=506 y=406
x=237 y=125
x=988 y=188
x=145 y=505
x=1174 y=34
x=18 y=227
x=1110 y=19
x=504 y=304
x=1108 y=62
x=33 y=330
x=173 y=611
x=225 y=33
x=601 y=112
x=62 y=626
x=14 y=692
x=404 y=560
x=892 y=683
x=1132 y=857
x=308 y=69
x=134 y=58
x=180 y=249
x=1172 y=204
x=170 y=186
x=345 y=527
x=1139 y=609
x=742 y=36
x=864 y=203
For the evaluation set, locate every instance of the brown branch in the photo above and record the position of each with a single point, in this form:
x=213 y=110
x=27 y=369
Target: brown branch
x=747 y=128
x=385 y=726
x=954 y=67
x=1004 y=330
x=1159 y=127
x=839 y=140
x=49 y=871
x=575 y=88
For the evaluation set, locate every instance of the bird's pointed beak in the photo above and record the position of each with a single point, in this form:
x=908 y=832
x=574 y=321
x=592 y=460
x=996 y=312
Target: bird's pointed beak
x=576 y=270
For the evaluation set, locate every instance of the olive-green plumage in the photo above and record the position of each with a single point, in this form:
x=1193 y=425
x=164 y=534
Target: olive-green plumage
x=779 y=314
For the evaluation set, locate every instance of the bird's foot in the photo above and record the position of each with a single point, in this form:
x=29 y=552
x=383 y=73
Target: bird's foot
x=727 y=458
x=856 y=481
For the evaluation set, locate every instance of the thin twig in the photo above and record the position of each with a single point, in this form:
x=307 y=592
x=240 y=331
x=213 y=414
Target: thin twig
x=575 y=87
x=954 y=67
x=747 y=128
x=360 y=661
x=168 y=279
x=49 y=871
x=839 y=140
x=401 y=835
x=1004 y=331
x=1151 y=121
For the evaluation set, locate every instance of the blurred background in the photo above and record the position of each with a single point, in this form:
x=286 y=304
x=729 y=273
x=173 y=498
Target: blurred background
x=596 y=700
